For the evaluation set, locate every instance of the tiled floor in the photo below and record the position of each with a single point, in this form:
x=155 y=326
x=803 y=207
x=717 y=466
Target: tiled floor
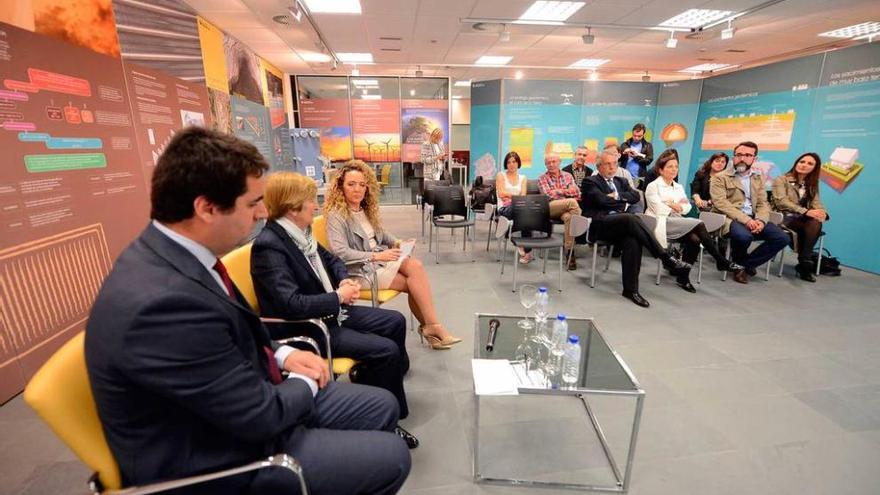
x=770 y=388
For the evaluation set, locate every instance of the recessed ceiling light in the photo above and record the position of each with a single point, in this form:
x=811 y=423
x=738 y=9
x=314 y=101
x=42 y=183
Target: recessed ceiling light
x=334 y=6
x=694 y=18
x=519 y=74
x=465 y=83
x=314 y=57
x=356 y=58
x=493 y=60
x=671 y=42
x=355 y=72
x=589 y=63
x=594 y=76
x=707 y=68
x=412 y=92
x=853 y=31
x=551 y=11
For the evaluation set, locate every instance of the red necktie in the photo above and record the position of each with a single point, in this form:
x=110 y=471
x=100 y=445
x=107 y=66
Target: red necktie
x=274 y=372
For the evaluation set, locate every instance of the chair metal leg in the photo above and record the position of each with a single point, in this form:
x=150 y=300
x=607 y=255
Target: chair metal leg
x=767 y=273
x=546 y=253
x=464 y=240
x=593 y=270
x=561 y=255
x=437 y=247
x=781 y=262
x=430 y=235
x=726 y=255
x=659 y=266
x=489 y=234
x=700 y=267
x=819 y=259
x=503 y=254
x=515 y=265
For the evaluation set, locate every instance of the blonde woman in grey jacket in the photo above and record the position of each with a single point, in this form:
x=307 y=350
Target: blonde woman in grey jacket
x=356 y=235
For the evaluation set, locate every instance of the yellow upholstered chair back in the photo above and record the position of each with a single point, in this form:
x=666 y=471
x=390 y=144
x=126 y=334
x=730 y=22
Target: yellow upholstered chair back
x=319 y=230
x=238 y=264
x=61 y=395
x=385 y=174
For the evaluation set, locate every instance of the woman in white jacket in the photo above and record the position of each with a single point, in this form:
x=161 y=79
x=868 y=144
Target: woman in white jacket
x=667 y=202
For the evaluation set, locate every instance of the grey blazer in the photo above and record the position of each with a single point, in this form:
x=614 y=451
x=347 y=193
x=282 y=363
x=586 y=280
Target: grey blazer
x=349 y=242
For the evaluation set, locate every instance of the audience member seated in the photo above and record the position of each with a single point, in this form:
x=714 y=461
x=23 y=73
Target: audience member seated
x=508 y=184
x=185 y=377
x=653 y=172
x=605 y=199
x=355 y=233
x=564 y=198
x=578 y=168
x=667 y=202
x=739 y=194
x=624 y=174
x=796 y=195
x=295 y=278
x=700 y=185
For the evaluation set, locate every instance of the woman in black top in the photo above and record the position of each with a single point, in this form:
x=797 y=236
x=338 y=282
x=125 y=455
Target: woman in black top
x=700 y=185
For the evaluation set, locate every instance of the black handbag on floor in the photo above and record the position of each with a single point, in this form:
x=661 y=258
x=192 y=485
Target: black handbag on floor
x=829 y=265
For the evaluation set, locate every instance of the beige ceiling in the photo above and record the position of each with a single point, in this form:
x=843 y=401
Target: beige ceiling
x=432 y=36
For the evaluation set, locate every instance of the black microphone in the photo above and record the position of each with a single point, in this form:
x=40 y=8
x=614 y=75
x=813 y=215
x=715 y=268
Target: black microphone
x=493 y=330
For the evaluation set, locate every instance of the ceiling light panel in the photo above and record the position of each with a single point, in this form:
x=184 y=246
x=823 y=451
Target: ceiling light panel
x=334 y=6
x=551 y=11
x=694 y=18
x=314 y=57
x=465 y=84
x=854 y=30
x=356 y=58
x=706 y=68
x=493 y=60
x=589 y=63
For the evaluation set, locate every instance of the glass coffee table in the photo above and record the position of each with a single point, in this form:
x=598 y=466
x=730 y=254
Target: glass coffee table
x=602 y=373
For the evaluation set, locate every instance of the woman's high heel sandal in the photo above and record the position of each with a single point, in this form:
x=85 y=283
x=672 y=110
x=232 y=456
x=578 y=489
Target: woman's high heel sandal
x=436 y=342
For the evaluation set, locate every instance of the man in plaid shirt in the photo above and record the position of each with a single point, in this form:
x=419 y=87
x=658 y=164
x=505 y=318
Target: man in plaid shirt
x=564 y=197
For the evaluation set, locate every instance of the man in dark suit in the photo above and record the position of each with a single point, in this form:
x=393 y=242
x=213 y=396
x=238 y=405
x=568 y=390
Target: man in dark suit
x=185 y=377
x=605 y=199
x=296 y=278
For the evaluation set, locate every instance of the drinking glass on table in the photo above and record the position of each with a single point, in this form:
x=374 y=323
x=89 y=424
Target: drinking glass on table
x=528 y=296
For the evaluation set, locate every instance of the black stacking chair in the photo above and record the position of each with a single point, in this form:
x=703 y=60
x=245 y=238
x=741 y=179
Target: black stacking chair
x=450 y=211
x=427 y=198
x=531 y=214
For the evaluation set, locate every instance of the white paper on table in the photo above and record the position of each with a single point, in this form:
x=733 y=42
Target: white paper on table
x=406 y=248
x=526 y=378
x=494 y=377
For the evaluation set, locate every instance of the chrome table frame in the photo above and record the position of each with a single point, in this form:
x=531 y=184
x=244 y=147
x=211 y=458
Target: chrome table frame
x=622 y=480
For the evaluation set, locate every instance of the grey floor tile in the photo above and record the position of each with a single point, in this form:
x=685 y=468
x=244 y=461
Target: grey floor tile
x=809 y=373
x=664 y=355
x=720 y=473
x=766 y=421
x=762 y=346
x=718 y=383
x=852 y=408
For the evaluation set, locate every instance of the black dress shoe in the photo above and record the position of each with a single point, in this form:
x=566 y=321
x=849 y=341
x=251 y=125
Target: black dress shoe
x=410 y=439
x=741 y=276
x=752 y=271
x=636 y=298
x=725 y=265
x=686 y=285
x=676 y=267
x=805 y=271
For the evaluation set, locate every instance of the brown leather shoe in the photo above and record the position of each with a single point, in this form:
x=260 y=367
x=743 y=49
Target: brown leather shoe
x=572 y=264
x=741 y=276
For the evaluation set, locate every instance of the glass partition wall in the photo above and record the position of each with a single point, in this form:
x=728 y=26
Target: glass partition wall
x=381 y=120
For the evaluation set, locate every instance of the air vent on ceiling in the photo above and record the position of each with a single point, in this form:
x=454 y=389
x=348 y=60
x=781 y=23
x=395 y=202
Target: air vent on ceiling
x=706 y=59
x=390 y=38
x=389 y=49
x=735 y=50
x=284 y=20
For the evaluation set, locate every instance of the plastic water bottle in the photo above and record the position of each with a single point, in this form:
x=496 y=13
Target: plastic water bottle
x=542 y=304
x=571 y=362
x=556 y=346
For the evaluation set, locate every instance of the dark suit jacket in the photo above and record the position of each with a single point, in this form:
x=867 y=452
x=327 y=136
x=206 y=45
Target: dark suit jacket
x=595 y=202
x=700 y=185
x=647 y=150
x=178 y=370
x=286 y=285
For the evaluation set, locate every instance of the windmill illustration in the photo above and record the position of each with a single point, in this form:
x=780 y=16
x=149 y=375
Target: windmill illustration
x=386 y=143
x=369 y=149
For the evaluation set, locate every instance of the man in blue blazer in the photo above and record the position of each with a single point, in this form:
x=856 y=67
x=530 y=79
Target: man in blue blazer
x=605 y=198
x=185 y=377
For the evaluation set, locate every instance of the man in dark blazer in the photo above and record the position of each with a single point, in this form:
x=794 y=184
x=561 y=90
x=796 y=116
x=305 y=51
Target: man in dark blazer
x=605 y=198
x=636 y=153
x=185 y=378
x=288 y=287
